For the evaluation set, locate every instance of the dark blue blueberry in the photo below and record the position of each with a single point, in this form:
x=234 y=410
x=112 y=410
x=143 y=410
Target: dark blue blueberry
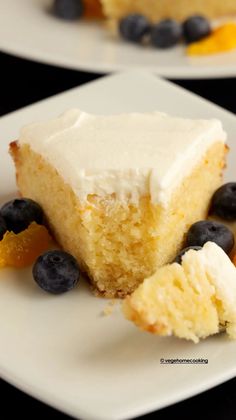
x=178 y=259
x=134 y=27
x=3 y=227
x=196 y=28
x=68 y=9
x=206 y=230
x=19 y=213
x=166 y=33
x=224 y=202
x=56 y=271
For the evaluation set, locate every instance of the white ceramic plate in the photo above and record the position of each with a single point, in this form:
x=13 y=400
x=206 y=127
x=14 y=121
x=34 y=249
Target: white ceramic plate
x=61 y=349
x=27 y=30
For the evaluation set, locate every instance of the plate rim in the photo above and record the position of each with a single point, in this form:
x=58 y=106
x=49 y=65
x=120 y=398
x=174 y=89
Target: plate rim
x=106 y=65
x=180 y=73
x=226 y=375
x=76 y=412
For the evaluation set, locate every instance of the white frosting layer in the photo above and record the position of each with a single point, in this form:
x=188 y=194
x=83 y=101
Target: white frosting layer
x=222 y=272
x=130 y=155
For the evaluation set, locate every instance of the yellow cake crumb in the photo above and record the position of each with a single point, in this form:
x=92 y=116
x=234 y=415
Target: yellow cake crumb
x=109 y=308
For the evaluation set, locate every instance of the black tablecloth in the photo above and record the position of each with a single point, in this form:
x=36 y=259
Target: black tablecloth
x=23 y=82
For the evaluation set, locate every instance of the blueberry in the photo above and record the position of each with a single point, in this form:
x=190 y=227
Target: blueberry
x=206 y=230
x=3 y=227
x=56 y=271
x=178 y=259
x=166 y=33
x=19 y=213
x=223 y=202
x=134 y=27
x=68 y=9
x=196 y=28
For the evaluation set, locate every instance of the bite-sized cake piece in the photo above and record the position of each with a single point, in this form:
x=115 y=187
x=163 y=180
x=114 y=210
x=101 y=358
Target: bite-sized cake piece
x=181 y=9
x=192 y=300
x=120 y=192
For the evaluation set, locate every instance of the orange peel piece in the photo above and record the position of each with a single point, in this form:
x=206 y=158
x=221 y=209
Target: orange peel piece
x=93 y=9
x=21 y=249
x=221 y=39
x=234 y=259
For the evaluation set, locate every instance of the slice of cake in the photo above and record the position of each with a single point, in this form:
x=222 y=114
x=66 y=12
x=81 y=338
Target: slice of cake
x=192 y=300
x=120 y=191
x=181 y=9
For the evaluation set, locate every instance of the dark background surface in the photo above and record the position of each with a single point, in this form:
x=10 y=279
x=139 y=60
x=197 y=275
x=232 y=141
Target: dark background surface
x=23 y=82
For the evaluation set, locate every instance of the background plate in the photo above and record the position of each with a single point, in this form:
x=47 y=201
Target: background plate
x=61 y=349
x=27 y=30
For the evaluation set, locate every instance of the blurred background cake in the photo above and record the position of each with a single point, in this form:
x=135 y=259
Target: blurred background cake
x=152 y=9
x=120 y=191
x=160 y=9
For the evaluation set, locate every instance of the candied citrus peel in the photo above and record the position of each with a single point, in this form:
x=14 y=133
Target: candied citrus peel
x=21 y=249
x=221 y=39
x=234 y=260
x=93 y=9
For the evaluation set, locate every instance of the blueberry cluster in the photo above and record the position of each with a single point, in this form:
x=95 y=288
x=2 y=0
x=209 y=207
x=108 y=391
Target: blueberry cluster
x=54 y=271
x=223 y=205
x=68 y=9
x=164 y=34
x=19 y=213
